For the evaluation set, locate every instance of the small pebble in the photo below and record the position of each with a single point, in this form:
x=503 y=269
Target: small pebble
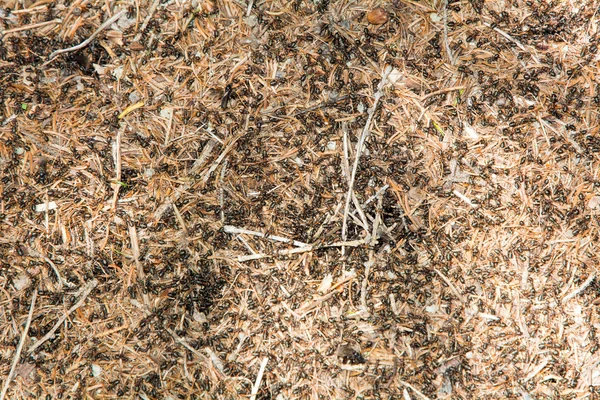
x=378 y=16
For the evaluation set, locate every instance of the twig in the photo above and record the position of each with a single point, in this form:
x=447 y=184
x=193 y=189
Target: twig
x=179 y=218
x=216 y=361
x=153 y=8
x=36 y=253
x=309 y=306
x=31 y=26
x=135 y=249
x=515 y=41
x=224 y=153
x=200 y=161
x=20 y=347
x=86 y=291
x=463 y=198
x=235 y=230
x=451 y=285
x=359 y=148
x=87 y=41
x=324 y=104
x=222 y=191
x=441 y=91
x=185 y=344
x=580 y=289
x=408 y=385
x=117 y=158
x=298 y=250
x=261 y=371
x=446 y=44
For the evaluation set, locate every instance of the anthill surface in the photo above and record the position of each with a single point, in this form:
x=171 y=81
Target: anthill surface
x=299 y=199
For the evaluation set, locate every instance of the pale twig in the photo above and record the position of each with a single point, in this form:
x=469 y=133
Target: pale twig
x=222 y=191
x=87 y=41
x=216 y=361
x=345 y=162
x=179 y=218
x=235 y=230
x=135 y=249
x=153 y=8
x=261 y=371
x=358 y=209
x=346 y=172
x=450 y=285
x=200 y=161
x=359 y=148
x=580 y=289
x=365 y=282
x=515 y=41
x=223 y=154
x=298 y=250
x=408 y=385
x=20 y=347
x=446 y=44
x=117 y=158
x=36 y=253
x=86 y=291
x=463 y=198
x=185 y=344
x=31 y=26
x=441 y=91
x=311 y=305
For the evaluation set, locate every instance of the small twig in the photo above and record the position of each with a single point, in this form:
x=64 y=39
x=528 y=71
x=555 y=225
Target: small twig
x=365 y=282
x=86 y=291
x=446 y=44
x=185 y=344
x=222 y=156
x=9 y=119
x=441 y=91
x=324 y=104
x=408 y=385
x=179 y=218
x=153 y=8
x=36 y=253
x=200 y=161
x=512 y=39
x=216 y=361
x=298 y=250
x=463 y=198
x=135 y=249
x=308 y=307
x=31 y=26
x=450 y=285
x=87 y=41
x=261 y=371
x=20 y=347
x=235 y=230
x=117 y=158
x=580 y=289
x=359 y=148
x=222 y=191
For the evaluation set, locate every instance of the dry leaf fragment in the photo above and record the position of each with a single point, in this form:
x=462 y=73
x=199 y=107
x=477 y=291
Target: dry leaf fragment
x=136 y=46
